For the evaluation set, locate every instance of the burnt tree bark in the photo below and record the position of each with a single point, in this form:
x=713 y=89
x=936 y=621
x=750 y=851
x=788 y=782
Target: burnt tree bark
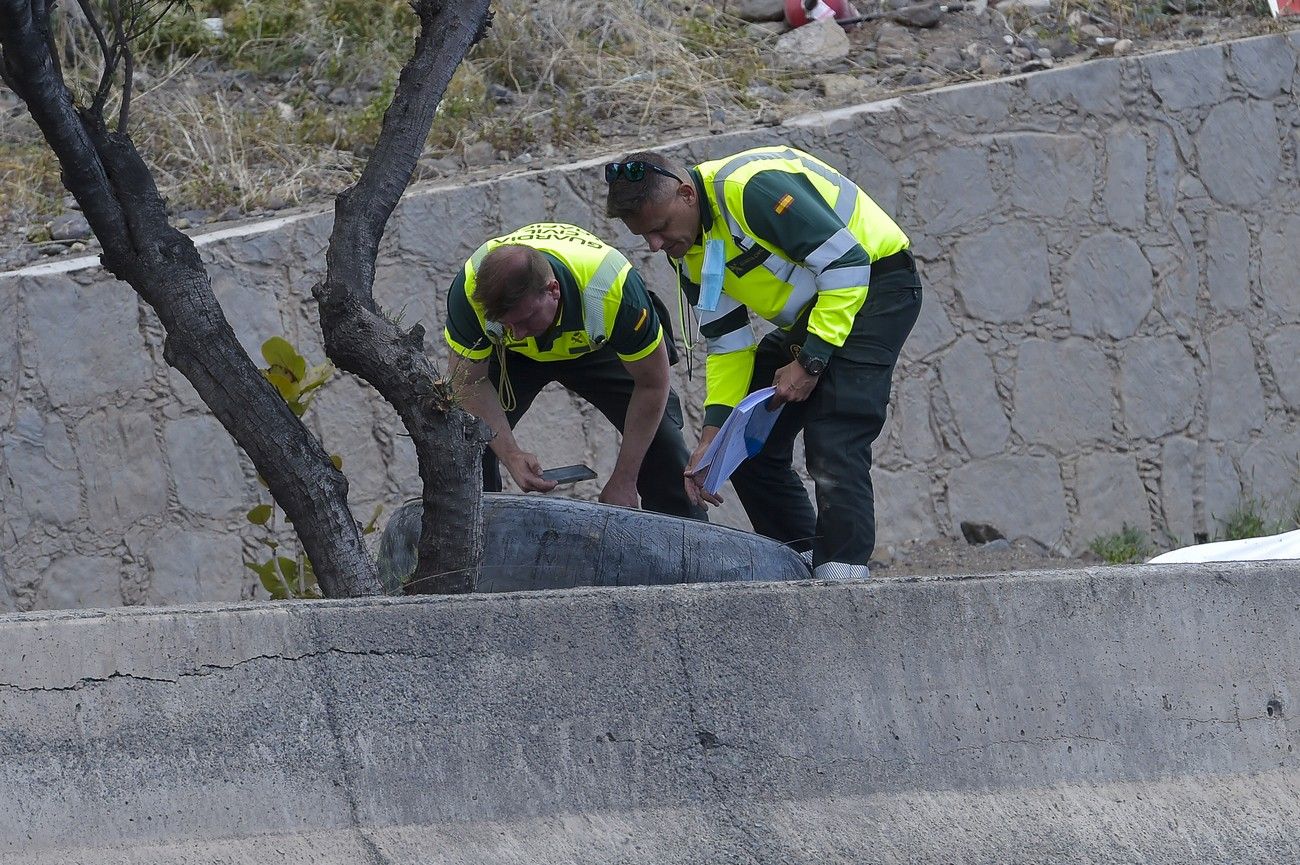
x=117 y=194
x=361 y=339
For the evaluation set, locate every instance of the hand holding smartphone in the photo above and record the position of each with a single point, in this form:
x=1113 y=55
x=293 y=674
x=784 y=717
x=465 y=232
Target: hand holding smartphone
x=569 y=474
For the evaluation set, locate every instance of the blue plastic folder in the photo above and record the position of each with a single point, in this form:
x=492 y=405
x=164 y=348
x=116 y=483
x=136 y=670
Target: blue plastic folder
x=741 y=436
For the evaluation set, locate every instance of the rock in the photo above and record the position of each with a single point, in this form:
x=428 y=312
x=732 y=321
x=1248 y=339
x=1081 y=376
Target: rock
x=1090 y=31
x=1032 y=7
x=500 y=95
x=812 y=45
x=69 y=226
x=894 y=44
x=836 y=85
x=1020 y=54
x=285 y=111
x=762 y=10
x=980 y=533
x=1122 y=47
x=480 y=153
x=38 y=234
x=339 y=96
x=761 y=31
x=990 y=64
x=948 y=59
x=925 y=15
x=1077 y=18
x=998 y=545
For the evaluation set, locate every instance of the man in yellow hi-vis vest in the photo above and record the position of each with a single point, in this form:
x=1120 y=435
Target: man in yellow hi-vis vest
x=779 y=233
x=551 y=302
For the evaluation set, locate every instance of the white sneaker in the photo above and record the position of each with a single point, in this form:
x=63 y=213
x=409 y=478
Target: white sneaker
x=841 y=572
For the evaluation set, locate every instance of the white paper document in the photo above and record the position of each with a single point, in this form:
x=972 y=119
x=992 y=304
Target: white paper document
x=741 y=436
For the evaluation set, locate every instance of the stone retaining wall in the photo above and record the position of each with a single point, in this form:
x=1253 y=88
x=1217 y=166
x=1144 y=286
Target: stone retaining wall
x=1109 y=336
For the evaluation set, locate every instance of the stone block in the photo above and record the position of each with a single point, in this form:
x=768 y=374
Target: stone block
x=1063 y=395
x=878 y=175
x=1264 y=66
x=1177 y=282
x=904 y=511
x=522 y=201
x=8 y=603
x=1188 y=78
x=1021 y=496
x=445 y=225
x=42 y=470
x=205 y=467
x=343 y=413
x=188 y=567
x=812 y=45
x=1050 y=175
x=1227 y=252
x=76 y=582
x=1249 y=131
x=1279 y=266
x=990 y=286
x=973 y=107
x=248 y=299
x=1270 y=468
x=933 y=329
x=122 y=467
x=968 y=380
x=1224 y=491
x=10 y=328
x=916 y=425
x=1093 y=89
x=1110 y=495
x=1126 y=177
x=1108 y=285
x=1235 y=398
x=1166 y=171
x=1159 y=386
x=955 y=191
x=88 y=346
x=1178 y=490
x=1284 y=355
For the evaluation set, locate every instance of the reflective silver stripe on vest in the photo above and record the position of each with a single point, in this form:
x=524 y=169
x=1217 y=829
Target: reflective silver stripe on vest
x=803 y=288
x=595 y=292
x=844 y=277
x=736 y=340
x=831 y=251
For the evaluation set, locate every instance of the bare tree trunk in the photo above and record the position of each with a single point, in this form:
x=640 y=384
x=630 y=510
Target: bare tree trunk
x=360 y=339
x=110 y=181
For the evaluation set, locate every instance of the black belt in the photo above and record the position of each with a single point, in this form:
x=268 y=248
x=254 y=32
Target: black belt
x=901 y=260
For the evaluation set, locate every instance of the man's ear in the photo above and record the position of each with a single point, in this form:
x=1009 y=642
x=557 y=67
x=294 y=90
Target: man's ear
x=553 y=287
x=687 y=192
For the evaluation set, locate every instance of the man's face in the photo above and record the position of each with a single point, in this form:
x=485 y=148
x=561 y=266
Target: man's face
x=671 y=224
x=534 y=314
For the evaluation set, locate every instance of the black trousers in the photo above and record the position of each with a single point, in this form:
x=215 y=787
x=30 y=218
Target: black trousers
x=840 y=420
x=601 y=379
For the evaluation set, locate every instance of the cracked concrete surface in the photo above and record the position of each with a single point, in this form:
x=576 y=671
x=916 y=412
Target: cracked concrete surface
x=1111 y=715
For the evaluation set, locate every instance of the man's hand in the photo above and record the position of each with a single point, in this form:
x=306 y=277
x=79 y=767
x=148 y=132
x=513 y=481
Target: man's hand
x=793 y=384
x=695 y=490
x=622 y=492
x=527 y=472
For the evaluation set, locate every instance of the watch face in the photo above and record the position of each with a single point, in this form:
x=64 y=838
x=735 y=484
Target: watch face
x=813 y=365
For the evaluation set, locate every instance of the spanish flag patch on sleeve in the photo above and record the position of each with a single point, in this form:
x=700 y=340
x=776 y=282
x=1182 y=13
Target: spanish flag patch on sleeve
x=785 y=202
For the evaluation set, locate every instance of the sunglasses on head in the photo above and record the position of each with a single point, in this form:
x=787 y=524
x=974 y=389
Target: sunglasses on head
x=634 y=171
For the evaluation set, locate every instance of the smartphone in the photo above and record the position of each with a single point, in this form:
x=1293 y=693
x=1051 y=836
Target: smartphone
x=569 y=474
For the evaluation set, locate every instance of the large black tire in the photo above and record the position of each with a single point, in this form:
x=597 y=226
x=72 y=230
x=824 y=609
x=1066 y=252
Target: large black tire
x=539 y=542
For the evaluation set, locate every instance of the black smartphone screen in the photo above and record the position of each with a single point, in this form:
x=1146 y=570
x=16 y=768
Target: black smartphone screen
x=569 y=474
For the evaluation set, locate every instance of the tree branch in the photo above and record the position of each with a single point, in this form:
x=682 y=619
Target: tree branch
x=448 y=441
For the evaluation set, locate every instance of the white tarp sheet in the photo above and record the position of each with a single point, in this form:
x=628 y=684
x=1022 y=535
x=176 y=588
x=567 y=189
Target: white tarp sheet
x=1283 y=546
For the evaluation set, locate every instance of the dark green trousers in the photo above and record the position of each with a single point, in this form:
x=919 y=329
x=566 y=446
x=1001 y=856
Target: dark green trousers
x=601 y=379
x=839 y=421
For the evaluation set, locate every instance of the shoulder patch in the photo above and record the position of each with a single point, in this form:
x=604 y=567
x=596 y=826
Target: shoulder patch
x=784 y=203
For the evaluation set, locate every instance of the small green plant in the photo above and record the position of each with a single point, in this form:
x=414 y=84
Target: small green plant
x=291 y=576
x=1126 y=546
x=1247 y=520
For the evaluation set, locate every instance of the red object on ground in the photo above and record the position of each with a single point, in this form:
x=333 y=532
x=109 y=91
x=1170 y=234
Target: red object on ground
x=796 y=16
x=1280 y=7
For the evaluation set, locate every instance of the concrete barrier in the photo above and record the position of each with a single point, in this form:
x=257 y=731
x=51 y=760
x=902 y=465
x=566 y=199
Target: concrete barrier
x=1123 y=715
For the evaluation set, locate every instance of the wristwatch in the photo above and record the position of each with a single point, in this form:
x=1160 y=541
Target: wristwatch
x=812 y=365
